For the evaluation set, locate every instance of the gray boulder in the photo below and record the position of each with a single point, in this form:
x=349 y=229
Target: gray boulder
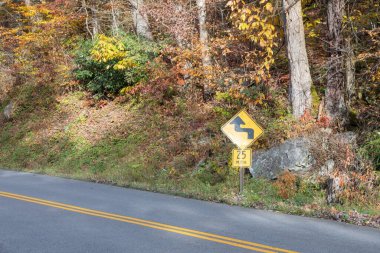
x=293 y=155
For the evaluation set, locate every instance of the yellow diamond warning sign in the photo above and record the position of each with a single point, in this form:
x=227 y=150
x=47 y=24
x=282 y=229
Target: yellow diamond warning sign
x=242 y=130
x=242 y=158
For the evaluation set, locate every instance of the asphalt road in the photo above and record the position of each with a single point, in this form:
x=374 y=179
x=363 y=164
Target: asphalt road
x=47 y=214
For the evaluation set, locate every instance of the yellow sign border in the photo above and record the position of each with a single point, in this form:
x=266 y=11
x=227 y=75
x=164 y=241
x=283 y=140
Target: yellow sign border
x=238 y=149
x=249 y=116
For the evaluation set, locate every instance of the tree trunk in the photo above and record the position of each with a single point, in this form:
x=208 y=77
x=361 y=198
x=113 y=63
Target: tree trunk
x=181 y=41
x=140 y=20
x=300 y=78
x=350 y=72
x=335 y=92
x=115 y=19
x=203 y=34
x=95 y=23
x=203 y=38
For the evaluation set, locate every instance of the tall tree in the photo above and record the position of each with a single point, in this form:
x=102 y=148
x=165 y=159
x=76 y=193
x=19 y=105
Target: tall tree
x=203 y=34
x=300 y=78
x=203 y=38
x=140 y=19
x=349 y=71
x=95 y=22
x=340 y=67
x=115 y=13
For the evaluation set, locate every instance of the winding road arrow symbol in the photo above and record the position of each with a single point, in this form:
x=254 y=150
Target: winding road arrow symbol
x=238 y=122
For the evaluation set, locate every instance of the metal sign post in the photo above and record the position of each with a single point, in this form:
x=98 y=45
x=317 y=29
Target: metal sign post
x=241 y=159
x=242 y=170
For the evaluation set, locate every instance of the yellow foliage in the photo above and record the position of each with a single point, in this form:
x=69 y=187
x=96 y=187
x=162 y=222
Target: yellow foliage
x=376 y=76
x=126 y=63
x=269 y=7
x=311 y=28
x=33 y=11
x=255 y=22
x=108 y=49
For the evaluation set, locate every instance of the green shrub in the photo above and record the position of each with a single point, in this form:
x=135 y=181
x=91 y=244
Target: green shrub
x=211 y=173
x=108 y=64
x=371 y=149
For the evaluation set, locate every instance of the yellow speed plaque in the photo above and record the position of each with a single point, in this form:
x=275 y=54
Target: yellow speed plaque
x=241 y=158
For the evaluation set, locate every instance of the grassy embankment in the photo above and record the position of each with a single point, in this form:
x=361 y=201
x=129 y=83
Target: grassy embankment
x=176 y=148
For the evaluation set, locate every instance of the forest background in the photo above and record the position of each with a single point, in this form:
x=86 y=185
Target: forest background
x=133 y=93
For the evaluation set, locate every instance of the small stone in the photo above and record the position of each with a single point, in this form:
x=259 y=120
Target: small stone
x=327 y=168
x=332 y=189
x=348 y=138
x=8 y=111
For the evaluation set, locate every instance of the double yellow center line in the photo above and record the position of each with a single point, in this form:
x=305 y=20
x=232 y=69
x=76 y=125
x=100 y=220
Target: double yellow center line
x=151 y=224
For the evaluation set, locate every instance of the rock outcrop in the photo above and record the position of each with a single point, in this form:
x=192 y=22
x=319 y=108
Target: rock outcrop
x=296 y=156
x=293 y=155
